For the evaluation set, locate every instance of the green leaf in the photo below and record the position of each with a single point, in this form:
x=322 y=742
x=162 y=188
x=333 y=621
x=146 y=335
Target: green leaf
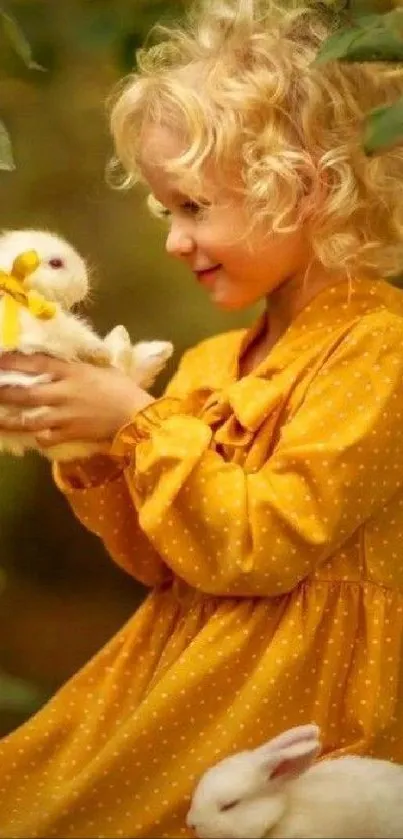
x=336 y=46
x=18 y=41
x=18 y=695
x=6 y=152
x=384 y=127
x=371 y=38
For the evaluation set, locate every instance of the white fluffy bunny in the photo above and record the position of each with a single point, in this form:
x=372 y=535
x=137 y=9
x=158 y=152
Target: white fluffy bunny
x=142 y=361
x=278 y=791
x=41 y=278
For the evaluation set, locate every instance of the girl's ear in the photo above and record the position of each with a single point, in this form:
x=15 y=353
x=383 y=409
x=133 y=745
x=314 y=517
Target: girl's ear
x=290 y=754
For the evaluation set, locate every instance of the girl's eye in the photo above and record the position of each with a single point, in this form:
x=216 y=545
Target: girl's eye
x=191 y=208
x=230 y=806
x=187 y=207
x=56 y=262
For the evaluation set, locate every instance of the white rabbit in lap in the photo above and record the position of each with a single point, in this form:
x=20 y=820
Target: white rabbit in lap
x=41 y=278
x=278 y=791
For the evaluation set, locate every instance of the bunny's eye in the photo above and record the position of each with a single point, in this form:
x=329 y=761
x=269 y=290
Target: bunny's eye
x=56 y=262
x=230 y=806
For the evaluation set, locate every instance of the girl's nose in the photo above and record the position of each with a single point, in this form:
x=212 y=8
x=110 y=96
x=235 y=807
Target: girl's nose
x=179 y=242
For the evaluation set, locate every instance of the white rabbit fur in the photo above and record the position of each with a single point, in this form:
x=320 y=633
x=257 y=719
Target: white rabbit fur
x=278 y=791
x=66 y=335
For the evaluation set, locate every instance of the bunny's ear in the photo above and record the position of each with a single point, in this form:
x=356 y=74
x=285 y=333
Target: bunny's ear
x=289 y=754
x=299 y=734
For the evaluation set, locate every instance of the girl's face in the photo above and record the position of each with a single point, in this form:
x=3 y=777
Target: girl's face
x=236 y=270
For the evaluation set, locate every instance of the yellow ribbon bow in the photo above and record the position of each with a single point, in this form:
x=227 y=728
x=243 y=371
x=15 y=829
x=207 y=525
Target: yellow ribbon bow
x=17 y=297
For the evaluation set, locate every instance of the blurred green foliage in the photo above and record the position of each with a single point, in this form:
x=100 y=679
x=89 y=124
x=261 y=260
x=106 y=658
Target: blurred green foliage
x=118 y=28
x=14 y=37
x=371 y=32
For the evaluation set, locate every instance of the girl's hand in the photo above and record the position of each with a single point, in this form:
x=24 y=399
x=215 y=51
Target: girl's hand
x=83 y=402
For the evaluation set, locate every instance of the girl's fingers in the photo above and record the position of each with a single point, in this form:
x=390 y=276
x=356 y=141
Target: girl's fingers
x=57 y=436
x=46 y=394
x=36 y=363
x=52 y=437
x=25 y=422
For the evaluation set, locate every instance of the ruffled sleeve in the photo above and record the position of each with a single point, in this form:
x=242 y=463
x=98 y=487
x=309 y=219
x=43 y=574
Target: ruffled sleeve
x=97 y=491
x=229 y=531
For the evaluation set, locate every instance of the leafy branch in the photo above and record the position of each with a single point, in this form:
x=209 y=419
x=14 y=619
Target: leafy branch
x=372 y=37
x=20 y=45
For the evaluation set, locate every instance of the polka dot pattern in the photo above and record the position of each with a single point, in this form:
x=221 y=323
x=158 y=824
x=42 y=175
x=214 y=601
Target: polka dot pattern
x=266 y=514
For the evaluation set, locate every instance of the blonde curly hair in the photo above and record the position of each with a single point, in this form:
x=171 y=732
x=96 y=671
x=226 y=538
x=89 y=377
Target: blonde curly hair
x=239 y=84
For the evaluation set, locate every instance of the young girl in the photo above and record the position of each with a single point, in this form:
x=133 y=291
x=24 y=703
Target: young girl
x=261 y=498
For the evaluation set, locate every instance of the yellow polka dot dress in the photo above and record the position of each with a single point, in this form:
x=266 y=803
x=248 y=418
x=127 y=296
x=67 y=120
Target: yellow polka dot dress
x=265 y=513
